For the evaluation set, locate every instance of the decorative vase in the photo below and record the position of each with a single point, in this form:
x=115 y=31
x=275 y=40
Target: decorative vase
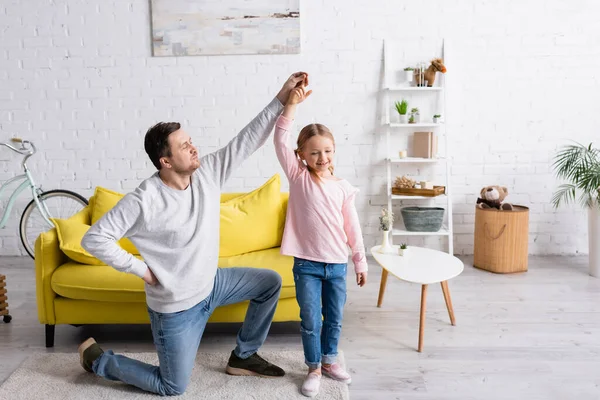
x=408 y=75
x=386 y=247
x=594 y=240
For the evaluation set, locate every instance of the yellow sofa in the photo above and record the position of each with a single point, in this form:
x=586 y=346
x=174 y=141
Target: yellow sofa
x=75 y=293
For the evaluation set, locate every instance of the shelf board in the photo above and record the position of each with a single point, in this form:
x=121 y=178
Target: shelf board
x=402 y=232
x=417 y=160
x=418 y=125
x=405 y=197
x=413 y=89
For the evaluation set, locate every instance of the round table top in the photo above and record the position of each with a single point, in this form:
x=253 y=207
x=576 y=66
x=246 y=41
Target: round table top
x=419 y=264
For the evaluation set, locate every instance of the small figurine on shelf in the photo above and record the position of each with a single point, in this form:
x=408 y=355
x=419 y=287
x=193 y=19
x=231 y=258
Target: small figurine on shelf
x=385 y=223
x=403 y=249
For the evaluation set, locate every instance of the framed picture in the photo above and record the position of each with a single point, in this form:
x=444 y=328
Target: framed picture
x=203 y=27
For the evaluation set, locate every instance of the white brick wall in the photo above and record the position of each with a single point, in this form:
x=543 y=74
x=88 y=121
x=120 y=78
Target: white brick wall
x=78 y=78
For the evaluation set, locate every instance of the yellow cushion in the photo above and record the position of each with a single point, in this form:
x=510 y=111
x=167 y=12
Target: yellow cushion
x=269 y=259
x=253 y=221
x=103 y=283
x=98 y=283
x=70 y=232
x=104 y=200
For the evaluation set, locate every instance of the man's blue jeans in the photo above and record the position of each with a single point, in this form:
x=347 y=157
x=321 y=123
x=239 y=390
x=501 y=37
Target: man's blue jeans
x=321 y=294
x=177 y=335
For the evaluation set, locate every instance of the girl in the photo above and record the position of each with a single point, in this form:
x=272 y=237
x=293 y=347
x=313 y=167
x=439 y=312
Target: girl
x=321 y=222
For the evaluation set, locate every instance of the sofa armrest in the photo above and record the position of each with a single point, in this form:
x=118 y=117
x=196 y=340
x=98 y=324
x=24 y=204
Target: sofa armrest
x=48 y=257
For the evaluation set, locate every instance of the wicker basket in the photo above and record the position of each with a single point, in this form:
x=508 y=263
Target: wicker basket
x=501 y=240
x=422 y=219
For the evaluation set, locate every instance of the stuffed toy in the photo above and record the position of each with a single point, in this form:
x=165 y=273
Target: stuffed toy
x=493 y=197
x=437 y=65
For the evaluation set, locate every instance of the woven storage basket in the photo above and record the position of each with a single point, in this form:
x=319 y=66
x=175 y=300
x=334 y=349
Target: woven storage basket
x=422 y=219
x=501 y=240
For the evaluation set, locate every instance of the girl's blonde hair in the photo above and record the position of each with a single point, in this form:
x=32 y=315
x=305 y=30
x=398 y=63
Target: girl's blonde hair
x=308 y=132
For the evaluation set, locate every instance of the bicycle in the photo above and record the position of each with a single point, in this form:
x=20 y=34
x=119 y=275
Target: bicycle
x=37 y=216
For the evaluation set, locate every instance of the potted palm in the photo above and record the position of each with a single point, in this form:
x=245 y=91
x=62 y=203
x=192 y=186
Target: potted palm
x=402 y=108
x=580 y=167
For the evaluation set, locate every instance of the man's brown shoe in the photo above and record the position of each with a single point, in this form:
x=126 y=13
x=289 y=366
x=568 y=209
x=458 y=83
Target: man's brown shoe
x=89 y=351
x=254 y=365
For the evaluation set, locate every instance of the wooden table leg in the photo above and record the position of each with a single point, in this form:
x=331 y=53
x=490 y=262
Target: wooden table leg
x=422 y=316
x=448 y=302
x=384 y=275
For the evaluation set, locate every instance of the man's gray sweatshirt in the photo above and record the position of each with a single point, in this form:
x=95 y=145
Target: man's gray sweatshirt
x=177 y=231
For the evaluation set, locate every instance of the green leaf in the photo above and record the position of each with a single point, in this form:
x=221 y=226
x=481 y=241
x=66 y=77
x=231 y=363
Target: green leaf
x=579 y=165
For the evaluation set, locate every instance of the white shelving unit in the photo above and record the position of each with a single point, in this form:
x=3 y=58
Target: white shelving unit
x=393 y=92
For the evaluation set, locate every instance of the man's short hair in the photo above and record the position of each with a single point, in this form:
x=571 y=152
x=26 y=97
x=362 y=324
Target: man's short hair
x=156 y=142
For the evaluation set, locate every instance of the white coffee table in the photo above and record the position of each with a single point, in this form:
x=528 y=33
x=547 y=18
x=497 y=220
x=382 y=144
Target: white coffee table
x=423 y=266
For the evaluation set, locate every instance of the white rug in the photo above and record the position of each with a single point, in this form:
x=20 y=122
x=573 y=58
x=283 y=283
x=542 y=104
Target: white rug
x=55 y=376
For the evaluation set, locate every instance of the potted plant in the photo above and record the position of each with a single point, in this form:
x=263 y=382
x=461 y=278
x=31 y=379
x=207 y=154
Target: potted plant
x=436 y=118
x=411 y=119
x=402 y=108
x=580 y=167
x=403 y=249
x=414 y=113
x=385 y=224
x=408 y=74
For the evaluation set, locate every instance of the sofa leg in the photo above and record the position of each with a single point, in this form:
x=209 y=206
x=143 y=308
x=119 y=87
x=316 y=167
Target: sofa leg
x=50 y=335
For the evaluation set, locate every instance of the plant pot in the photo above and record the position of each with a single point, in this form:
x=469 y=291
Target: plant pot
x=436 y=120
x=594 y=240
x=408 y=76
x=403 y=252
x=422 y=219
x=386 y=247
x=403 y=118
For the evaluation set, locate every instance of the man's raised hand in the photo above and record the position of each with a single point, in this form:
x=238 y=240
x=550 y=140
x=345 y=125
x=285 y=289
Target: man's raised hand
x=297 y=79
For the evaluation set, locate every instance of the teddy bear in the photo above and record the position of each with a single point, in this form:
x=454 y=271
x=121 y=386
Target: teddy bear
x=493 y=197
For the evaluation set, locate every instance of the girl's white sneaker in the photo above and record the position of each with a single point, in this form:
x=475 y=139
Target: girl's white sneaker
x=336 y=372
x=311 y=385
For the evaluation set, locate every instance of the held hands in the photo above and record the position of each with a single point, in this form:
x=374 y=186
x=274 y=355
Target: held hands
x=361 y=278
x=297 y=79
x=296 y=96
x=150 y=278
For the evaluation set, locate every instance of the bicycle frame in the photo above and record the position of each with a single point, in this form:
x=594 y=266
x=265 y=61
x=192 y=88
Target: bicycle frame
x=28 y=182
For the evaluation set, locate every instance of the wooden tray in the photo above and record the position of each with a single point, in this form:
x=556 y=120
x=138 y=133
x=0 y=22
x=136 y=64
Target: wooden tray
x=436 y=191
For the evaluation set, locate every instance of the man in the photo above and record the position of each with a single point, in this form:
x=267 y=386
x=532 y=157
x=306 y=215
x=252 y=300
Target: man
x=173 y=220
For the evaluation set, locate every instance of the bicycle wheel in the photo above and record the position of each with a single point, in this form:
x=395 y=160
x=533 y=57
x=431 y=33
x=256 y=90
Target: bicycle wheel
x=59 y=203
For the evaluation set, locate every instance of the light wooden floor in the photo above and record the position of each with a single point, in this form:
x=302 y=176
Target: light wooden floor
x=529 y=336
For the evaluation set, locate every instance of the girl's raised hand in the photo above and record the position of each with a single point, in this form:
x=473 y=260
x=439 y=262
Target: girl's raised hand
x=298 y=95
